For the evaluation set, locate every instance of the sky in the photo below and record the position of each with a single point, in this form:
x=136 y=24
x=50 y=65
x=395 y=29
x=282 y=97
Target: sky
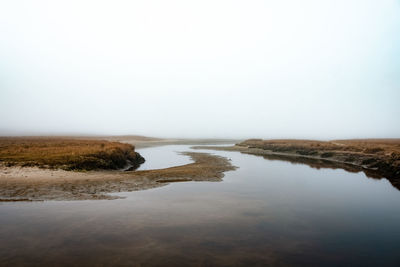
x=212 y=68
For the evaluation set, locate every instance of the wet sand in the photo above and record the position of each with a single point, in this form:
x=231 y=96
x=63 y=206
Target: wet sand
x=34 y=184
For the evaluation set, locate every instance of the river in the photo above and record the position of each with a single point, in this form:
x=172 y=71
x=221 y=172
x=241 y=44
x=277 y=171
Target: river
x=267 y=212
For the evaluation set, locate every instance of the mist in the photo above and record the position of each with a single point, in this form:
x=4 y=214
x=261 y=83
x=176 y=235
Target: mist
x=218 y=69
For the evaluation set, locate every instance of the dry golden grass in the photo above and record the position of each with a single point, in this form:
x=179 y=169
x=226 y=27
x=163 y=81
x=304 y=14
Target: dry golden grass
x=386 y=146
x=365 y=146
x=65 y=153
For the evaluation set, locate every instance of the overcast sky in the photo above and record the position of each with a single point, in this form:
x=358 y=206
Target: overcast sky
x=270 y=69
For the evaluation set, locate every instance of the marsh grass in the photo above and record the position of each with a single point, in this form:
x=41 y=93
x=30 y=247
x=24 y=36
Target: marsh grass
x=67 y=154
x=308 y=147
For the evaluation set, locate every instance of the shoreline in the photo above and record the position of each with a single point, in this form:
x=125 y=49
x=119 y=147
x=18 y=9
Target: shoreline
x=336 y=161
x=34 y=184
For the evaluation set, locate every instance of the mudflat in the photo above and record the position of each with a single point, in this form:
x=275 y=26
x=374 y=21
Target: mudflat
x=78 y=168
x=35 y=184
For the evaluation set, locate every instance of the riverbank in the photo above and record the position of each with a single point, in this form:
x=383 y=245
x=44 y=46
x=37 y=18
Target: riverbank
x=67 y=153
x=377 y=158
x=34 y=184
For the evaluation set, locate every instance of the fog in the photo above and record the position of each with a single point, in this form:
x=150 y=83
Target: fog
x=235 y=69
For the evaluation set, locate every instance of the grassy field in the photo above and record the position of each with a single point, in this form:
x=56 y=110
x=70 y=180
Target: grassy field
x=364 y=146
x=67 y=153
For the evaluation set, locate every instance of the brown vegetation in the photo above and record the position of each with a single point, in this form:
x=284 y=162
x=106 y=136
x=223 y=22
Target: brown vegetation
x=373 y=148
x=365 y=146
x=67 y=153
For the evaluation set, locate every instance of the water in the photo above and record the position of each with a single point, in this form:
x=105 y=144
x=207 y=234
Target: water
x=265 y=213
x=163 y=157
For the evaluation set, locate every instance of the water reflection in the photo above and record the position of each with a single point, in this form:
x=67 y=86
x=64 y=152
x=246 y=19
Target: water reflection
x=321 y=163
x=265 y=213
x=163 y=157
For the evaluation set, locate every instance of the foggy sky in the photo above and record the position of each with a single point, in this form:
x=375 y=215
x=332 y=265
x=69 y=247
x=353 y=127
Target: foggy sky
x=269 y=69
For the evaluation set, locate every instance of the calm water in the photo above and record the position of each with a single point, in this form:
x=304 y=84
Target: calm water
x=265 y=213
x=163 y=157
